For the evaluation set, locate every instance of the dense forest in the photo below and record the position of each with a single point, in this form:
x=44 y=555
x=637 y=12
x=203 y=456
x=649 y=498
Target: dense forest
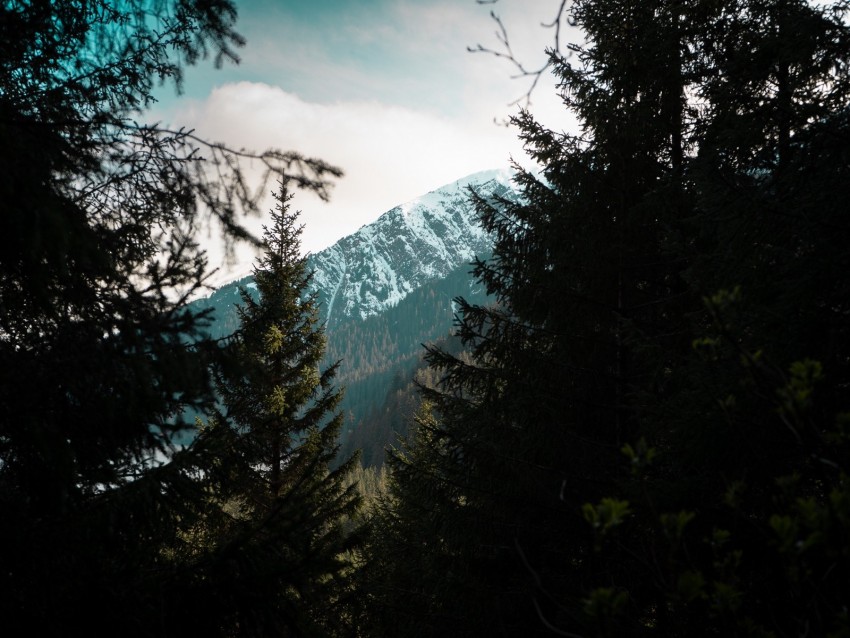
x=378 y=356
x=645 y=432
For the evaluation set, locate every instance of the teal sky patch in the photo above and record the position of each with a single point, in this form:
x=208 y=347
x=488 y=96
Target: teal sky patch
x=332 y=50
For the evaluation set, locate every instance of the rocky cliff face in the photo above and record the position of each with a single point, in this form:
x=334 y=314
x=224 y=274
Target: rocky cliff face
x=420 y=241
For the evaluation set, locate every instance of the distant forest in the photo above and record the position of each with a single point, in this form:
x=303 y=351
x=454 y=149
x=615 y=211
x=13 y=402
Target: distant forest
x=643 y=428
x=379 y=356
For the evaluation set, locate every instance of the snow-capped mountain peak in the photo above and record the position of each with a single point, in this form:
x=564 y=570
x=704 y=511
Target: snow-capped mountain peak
x=416 y=242
x=460 y=187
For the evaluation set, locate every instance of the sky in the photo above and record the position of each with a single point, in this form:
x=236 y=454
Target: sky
x=384 y=89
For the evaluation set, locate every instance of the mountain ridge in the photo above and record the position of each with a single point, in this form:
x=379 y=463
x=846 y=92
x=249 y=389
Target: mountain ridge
x=412 y=243
x=384 y=291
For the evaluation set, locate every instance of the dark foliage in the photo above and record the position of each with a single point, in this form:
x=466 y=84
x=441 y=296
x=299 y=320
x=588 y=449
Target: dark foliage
x=96 y=261
x=278 y=537
x=649 y=436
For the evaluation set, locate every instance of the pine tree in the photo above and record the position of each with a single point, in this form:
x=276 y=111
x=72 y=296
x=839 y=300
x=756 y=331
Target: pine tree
x=413 y=582
x=739 y=453
x=533 y=422
x=284 y=551
x=99 y=355
x=618 y=456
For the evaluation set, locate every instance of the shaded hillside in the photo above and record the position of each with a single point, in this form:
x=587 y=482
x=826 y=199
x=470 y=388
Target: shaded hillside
x=383 y=292
x=223 y=302
x=385 y=422
x=381 y=354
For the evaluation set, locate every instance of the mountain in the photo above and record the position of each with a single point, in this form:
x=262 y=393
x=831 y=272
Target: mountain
x=420 y=241
x=384 y=291
x=380 y=356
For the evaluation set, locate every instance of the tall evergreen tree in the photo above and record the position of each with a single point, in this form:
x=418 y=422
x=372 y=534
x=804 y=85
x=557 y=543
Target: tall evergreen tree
x=534 y=422
x=284 y=551
x=615 y=456
x=752 y=437
x=96 y=260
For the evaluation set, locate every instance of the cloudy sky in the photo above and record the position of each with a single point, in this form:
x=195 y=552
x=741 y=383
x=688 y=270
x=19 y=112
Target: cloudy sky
x=385 y=89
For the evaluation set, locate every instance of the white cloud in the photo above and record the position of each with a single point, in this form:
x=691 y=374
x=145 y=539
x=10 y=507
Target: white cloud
x=390 y=154
x=389 y=94
x=407 y=52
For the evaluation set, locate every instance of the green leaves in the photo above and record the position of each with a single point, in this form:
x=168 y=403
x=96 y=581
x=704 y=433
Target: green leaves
x=640 y=456
x=796 y=395
x=605 y=603
x=608 y=514
x=273 y=339
x=674 y=524
x=691 y=586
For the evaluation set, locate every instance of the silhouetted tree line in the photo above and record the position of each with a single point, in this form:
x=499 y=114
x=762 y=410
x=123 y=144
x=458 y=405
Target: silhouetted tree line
x=647 y=433
x=106 y=526
x=378 y=356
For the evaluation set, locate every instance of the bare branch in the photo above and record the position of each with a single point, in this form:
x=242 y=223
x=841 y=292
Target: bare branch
x=505 y=52
x=539 y=583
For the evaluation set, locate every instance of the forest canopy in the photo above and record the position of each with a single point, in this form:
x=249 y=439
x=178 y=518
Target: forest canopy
x=647 y=433
x=99 y=356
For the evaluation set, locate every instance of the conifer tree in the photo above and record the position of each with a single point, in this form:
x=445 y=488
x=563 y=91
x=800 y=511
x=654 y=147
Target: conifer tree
x=412 y=580
x=283 y=552
x=99 y=355
x=533 y=423
x=619 y=456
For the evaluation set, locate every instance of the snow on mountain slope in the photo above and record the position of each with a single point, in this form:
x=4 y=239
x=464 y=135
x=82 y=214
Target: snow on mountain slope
x=425 y=239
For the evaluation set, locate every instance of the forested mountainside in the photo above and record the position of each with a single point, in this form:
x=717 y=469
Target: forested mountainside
x=381 y=354
x=383 y=292
x=648 y=436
